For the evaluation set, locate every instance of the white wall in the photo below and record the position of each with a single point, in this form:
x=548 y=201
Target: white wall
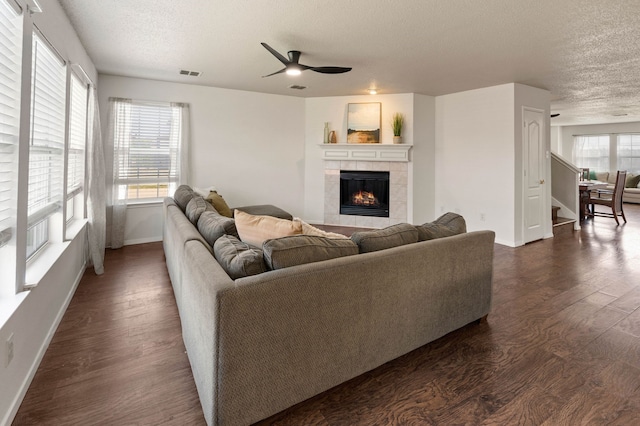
x=334 y=111
x=479 y=157
x=32 y=317
x=422 y=171
x=475 y=158
x=250 y=146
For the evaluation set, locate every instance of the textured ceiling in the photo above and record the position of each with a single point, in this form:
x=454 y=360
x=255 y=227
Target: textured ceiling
x=585 y=52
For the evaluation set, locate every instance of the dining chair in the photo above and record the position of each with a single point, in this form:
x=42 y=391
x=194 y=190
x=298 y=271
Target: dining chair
x=584 y=173
x=609 y=198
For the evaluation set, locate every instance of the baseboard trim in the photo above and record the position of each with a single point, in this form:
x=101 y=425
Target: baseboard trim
x=142 y=240
x=43 y=349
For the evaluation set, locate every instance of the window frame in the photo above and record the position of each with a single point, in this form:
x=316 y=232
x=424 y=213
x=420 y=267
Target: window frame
x=130 y=125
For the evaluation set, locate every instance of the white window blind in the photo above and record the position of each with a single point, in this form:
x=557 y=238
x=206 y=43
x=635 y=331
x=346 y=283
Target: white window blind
x=148 y=139
x=48 y=90
x=10 y=65
x=629 y=152
x=592 y=152
x=77 y=137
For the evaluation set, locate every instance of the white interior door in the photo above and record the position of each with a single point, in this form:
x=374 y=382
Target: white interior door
x=534 y=174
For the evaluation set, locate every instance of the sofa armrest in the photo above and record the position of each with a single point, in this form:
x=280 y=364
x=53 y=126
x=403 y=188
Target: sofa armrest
x=203 y=281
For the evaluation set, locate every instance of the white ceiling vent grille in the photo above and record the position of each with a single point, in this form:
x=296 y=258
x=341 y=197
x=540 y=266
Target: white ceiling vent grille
x=190 y=73
x=297 y=87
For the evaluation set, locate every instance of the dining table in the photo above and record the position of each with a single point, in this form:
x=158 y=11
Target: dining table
x=585 y=187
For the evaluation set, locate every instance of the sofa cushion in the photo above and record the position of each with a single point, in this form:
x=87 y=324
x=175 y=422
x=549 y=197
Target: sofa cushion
x=632 y=181
x=213 y=225
x=255 y=230
x=445 y=226
x=380 y=239
x=219 y=204
x=602 y=176
x=195 y=208
x=183 y=195
x=237 y=258
x=266 y=210
x=312 y=230
x=300 y=249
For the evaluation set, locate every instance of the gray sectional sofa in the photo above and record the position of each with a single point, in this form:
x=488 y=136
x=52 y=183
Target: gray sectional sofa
x=262 y=343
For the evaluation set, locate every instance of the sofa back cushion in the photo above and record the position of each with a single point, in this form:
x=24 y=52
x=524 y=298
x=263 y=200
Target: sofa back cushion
x=195 y=208
x=183 y=195
x=300 y=249
x=255 y=230
x=213 y=225
x=237 y=258
x=602 y=176
x=380 y=239
x=445 y=226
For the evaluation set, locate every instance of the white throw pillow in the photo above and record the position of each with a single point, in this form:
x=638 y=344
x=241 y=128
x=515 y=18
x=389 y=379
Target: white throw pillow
x=312 y=230
x=255 y=230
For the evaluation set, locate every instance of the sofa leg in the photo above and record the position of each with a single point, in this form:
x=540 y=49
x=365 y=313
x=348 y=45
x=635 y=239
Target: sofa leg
x=482 y=320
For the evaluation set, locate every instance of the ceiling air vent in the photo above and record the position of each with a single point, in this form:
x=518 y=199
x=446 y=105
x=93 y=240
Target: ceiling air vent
x=190 y=73
x=297 y=87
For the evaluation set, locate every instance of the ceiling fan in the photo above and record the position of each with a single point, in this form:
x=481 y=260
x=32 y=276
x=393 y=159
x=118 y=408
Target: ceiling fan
x=293 y=67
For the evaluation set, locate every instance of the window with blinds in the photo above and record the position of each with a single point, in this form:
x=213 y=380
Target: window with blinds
x=48 y=91
x=629 y=152
x=148 y=148
x=77 y=142
x=592 y=152
x=10 y=65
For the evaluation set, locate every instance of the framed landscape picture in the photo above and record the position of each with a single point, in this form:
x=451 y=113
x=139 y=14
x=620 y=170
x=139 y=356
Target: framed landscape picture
x=363 y=122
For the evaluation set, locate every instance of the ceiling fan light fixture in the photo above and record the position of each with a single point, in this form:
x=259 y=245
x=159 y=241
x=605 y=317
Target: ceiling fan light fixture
x=373 y=92
x=292 y=70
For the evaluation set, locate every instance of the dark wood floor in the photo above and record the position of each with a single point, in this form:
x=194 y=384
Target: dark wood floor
x=561 y=347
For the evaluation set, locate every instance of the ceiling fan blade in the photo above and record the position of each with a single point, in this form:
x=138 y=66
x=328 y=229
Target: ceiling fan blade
x=276 y=54
x=274 y=73
x=329 y=70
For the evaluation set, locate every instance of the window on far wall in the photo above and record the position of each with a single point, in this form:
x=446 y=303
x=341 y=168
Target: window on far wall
x=592 y=152
x=629 y=152
x=148 y=146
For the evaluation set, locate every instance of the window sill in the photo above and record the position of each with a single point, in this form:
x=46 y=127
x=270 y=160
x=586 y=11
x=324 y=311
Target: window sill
x=74 y=227
x=10 y=304
x=39 y=265
x=146 y=203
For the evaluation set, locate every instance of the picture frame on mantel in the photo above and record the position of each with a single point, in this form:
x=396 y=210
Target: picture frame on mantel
x=363 y=122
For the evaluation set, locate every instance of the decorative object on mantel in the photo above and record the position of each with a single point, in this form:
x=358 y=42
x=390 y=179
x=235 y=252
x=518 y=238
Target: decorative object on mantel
x=332 y=137
x=326 y=132
x=363 y=122
x=397 y=123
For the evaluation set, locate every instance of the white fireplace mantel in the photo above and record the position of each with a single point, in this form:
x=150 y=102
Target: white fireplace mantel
x=366 y=152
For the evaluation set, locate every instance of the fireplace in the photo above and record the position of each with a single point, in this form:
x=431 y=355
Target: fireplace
x=364 y=193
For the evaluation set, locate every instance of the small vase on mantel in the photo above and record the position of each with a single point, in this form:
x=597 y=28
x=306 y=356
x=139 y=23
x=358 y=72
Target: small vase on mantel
x=332 y=137
x=397 y=139
x=326 y=132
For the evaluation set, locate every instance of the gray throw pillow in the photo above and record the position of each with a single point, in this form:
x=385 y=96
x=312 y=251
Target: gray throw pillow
x=445 y=226
x=212 y=225
x=238 y=259
x=380 y=239
x=183 y=195
x=195 y=208
x=300 y=249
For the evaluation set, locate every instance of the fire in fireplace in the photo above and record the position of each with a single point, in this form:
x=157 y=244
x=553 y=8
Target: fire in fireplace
x=364 y=193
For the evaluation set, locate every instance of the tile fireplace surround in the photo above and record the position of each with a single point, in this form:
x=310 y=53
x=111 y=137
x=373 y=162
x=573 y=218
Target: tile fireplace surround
x=398 y=191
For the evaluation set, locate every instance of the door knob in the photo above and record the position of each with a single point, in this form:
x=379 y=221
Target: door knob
x=541 y=181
